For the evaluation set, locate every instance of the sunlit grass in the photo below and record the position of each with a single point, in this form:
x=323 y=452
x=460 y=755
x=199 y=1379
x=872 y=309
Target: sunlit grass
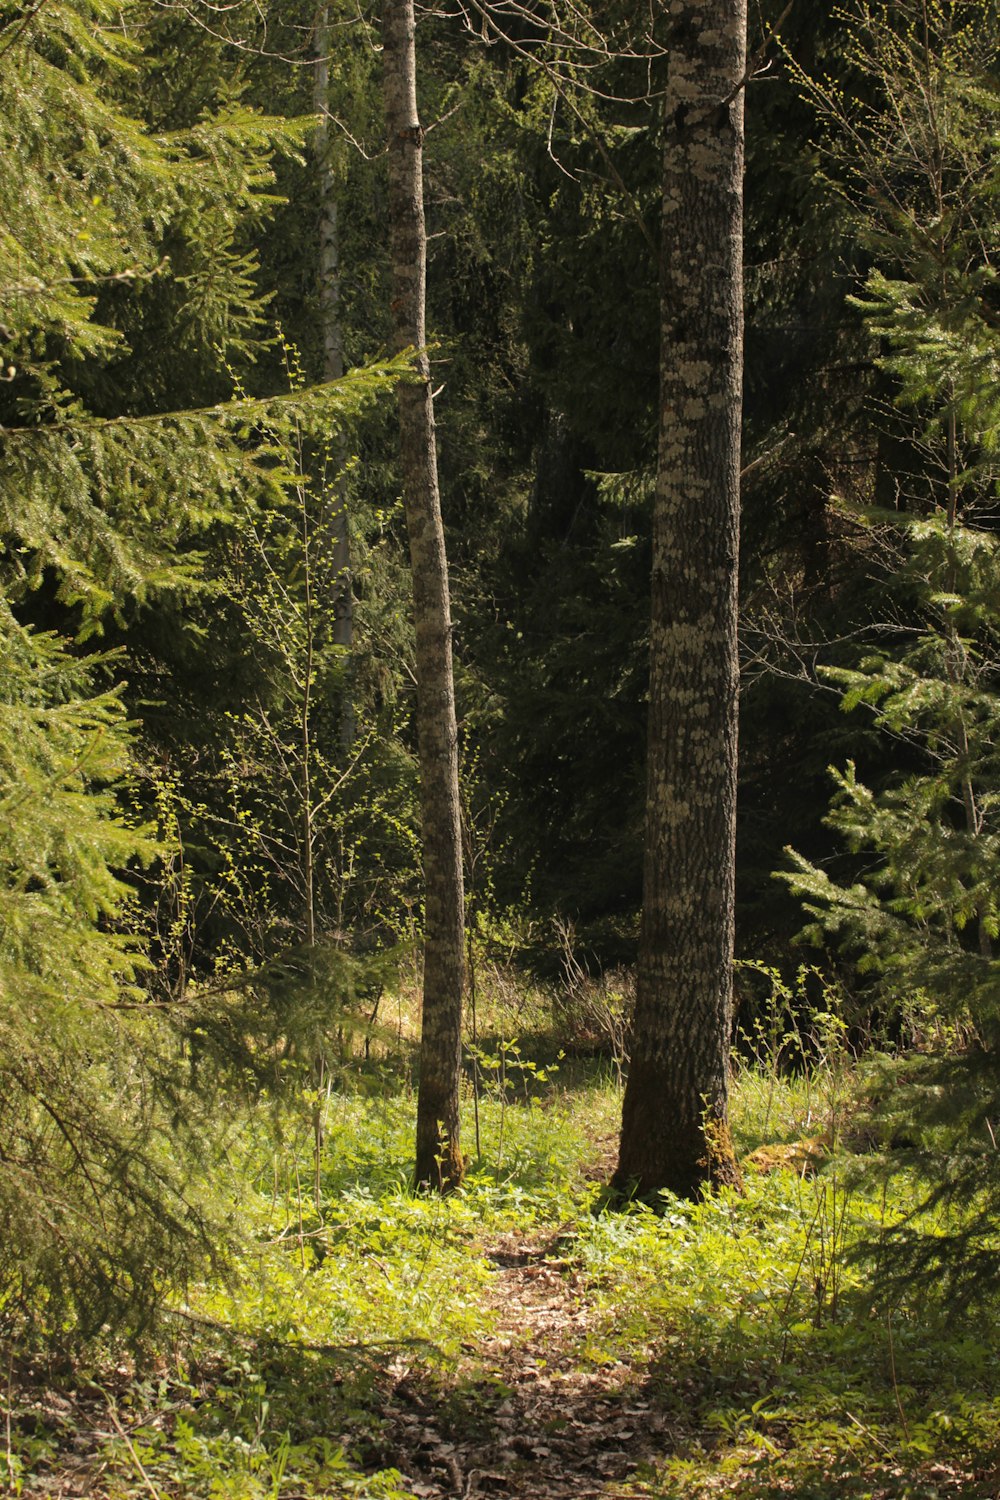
x=756 y=1320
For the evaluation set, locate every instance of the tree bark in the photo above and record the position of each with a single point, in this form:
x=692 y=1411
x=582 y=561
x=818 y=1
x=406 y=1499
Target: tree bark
x=674 y=1118
x=438 y=1157
x=335 y=518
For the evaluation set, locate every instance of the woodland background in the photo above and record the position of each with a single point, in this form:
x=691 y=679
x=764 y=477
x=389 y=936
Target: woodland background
x=210 y=863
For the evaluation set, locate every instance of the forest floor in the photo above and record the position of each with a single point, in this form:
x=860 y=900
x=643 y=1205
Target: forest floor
x=517 y=1340
x=527 y=1417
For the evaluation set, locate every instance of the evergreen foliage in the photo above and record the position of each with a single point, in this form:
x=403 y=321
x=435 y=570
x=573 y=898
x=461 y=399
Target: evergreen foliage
x=123 y=266
x=923 y=918
x=95 y=1199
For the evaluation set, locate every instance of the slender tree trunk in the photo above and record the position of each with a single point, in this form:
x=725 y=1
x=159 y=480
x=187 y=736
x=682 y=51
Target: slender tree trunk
x=439 y=1158
x=329 y=226
x=334 y=496
x=674 y=1120
x=956 y=665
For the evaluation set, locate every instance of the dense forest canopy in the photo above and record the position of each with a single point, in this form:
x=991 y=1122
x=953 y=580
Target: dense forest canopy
x=223 y=406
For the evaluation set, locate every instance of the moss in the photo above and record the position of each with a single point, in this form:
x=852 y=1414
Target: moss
x=804 y=1157
x=722 y=1167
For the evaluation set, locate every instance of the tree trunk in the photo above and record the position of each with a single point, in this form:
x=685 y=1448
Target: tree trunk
x=674 y=1118
x=334 y=496
x=439 y=1158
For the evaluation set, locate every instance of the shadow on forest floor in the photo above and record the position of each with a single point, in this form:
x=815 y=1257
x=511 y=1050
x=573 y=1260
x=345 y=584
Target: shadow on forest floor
x=509 y=1342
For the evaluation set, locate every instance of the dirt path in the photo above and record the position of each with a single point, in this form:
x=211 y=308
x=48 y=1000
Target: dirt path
x=530 y=1415
x=532 y=1412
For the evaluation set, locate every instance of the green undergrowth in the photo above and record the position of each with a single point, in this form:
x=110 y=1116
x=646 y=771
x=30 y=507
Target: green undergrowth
x=758 y=1322
x=352 y=1255
x=755 y=1323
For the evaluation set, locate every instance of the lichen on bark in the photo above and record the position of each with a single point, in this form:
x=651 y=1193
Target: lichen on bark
x=674 y=1132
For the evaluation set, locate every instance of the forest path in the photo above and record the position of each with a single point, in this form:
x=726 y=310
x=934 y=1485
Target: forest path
x=532 y=1413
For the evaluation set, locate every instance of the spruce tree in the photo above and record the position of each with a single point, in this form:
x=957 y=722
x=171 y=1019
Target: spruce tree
x=917 y=165
x=113 y=237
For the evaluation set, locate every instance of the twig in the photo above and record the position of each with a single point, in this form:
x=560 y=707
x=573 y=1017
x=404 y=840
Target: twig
x=754 y=66
x=892 y=1371
x=535 y=58
x=21 y=27
x=869 y=1434
x=112 y=1412
x=7 y=1416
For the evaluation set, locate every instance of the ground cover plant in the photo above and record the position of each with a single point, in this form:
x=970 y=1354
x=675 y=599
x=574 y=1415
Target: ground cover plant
x=523 y=1335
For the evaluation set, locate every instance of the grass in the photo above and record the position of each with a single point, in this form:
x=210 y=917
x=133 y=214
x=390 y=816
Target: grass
x=753 y=1322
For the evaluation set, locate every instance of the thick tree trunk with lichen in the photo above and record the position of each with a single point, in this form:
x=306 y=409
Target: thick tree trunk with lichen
x=439 y=1159
x=674 y=1130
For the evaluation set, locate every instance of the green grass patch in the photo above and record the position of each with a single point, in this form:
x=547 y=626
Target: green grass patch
x=754 y=1322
